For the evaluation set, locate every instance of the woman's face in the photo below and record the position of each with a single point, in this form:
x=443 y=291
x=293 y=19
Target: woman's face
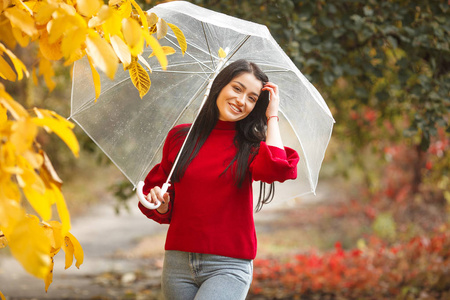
x=238 y=98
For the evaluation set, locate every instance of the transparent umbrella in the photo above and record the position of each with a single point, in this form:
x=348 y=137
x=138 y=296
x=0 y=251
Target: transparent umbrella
x=132 y=131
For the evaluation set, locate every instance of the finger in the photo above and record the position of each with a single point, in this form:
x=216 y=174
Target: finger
x=166 y=198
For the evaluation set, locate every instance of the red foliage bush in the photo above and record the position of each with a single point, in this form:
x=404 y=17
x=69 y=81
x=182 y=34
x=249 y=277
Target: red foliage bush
x=420 y=266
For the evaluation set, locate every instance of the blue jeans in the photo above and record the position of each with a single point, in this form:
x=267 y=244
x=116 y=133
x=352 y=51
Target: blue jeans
x=205 y=276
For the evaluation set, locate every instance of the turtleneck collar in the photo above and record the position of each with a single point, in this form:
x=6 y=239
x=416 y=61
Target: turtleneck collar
x=224 y=125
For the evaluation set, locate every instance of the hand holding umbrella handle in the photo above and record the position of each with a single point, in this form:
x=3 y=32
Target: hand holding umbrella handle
x=142 y=198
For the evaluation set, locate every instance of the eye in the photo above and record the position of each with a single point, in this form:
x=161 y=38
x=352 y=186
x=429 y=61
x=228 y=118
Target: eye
x=253 y=99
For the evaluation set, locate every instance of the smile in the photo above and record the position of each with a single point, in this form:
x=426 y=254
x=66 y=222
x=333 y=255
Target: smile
x=235 y=108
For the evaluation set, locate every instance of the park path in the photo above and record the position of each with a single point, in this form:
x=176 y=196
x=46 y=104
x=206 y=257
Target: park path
x=108 y=272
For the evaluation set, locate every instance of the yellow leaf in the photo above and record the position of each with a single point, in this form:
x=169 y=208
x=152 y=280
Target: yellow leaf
x=63 y=212
x=102 y=54
x=48 y=167
x=3 y=240
x=52 y=230
x=30 y=246
x=21 y=19
x=44 y=14
x=35 y=159
x=51 y=51
x=96 y=79
x=121 y=49
x=46 y=69
x=167 y=51
x=18 y=64
x=125 y=9
x=3 y=115
x=68 y=250
x=49 y=278
x=114 y=2
x=7 y=35
x=142 y=16
x=157 y=49
x=23 y=134
x=22 y=38
x=15 y=109
x=2 y=297
x=41 y=202
x=77 y=250
x=59 y=128
x=162 y=28
x=140 y=78
x=73 y=41
x=152 y=19
x=222 y=53
x=104 y=13
x=6 y=72
x=113 y=25
x=133 y=36
x=180 y=37
x=145 y=63
x=88 y=8
x=34 y=75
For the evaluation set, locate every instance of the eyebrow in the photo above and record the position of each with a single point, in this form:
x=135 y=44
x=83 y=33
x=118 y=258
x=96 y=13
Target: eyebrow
x=240 y=83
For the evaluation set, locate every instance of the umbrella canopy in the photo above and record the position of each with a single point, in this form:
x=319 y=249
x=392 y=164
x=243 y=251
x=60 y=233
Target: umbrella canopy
x=132 y=131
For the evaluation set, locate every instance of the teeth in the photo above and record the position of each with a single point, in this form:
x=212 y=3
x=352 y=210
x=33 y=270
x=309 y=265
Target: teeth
x=235 y=108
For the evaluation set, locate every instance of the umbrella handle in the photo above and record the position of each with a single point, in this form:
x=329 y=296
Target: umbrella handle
x=144 y=201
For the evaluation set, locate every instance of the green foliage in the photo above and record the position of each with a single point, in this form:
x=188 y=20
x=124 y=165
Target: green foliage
x=390 y=55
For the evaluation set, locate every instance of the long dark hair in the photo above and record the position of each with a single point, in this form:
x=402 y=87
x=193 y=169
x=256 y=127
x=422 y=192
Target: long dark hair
x=250 y=131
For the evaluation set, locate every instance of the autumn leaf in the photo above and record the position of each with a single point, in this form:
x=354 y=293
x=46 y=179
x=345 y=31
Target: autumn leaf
x=140 y=78
x=157 y=49
x=88 y=8
x=68 y=250
x=222 y=53
x=180 y=37
x=3 y=240
x=2 y=297
x=121 y=49
x=6 y=72
x=133 y=36
x=77 y=250
x=30 y=246
x=102 y=54
x=46 y=70
x=61 y=128
x=166 y=49
x=142 y=15
x=18 y=64
x=162 y=28
x=21 y=19
x=96 y=79
x=51 y=51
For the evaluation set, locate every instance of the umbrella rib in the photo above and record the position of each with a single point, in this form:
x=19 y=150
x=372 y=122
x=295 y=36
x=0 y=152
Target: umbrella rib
x=177 y=119
x=207 y=44
x=311 y=184
x=238 y=47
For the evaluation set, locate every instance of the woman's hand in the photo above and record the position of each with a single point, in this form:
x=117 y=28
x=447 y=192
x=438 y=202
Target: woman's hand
x=273 y=137
x=155 y=194
x=274 y=103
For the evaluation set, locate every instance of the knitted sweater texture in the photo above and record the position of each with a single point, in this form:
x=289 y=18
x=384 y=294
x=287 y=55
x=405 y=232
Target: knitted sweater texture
x=208 y=213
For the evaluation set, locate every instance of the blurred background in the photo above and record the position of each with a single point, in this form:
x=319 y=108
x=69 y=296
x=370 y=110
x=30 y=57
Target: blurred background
x=379 y=225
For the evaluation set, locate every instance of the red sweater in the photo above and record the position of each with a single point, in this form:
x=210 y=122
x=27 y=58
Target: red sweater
x=208 y=213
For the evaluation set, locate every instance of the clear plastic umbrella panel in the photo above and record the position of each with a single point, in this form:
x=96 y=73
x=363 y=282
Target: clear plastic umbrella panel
x=131 y=131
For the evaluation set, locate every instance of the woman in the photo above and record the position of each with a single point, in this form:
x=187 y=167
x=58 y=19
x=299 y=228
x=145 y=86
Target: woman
x=211 y=241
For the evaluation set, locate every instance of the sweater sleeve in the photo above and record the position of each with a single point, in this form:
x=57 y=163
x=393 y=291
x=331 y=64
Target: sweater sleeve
x=157 y=177
x=274 y=164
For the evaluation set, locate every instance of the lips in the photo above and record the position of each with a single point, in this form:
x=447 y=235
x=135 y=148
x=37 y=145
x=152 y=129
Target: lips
x=235 y=108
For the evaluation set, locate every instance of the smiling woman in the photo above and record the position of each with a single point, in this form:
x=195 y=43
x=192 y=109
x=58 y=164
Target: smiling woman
x=210 y=204
x=238 y=98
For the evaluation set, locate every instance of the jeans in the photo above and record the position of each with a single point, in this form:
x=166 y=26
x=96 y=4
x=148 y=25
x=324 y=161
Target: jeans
x=205 y=276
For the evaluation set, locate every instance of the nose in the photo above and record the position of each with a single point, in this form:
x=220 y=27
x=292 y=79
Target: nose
x=240 y=100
